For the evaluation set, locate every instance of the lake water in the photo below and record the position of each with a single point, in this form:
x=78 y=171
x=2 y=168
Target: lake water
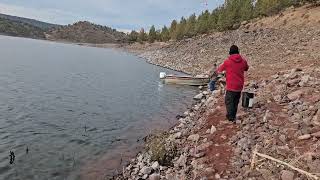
x=78 y=110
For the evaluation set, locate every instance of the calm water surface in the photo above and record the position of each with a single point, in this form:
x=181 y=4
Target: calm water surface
x=79 y=110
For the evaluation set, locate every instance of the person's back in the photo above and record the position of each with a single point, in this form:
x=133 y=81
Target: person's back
x=234 y=66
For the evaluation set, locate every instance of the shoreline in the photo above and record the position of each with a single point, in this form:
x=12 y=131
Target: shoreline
x=285 y=120
x=284 y=123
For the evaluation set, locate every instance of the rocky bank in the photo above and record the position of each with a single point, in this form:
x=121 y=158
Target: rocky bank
x=284 y=124
x=279 y=138
x=271 y=44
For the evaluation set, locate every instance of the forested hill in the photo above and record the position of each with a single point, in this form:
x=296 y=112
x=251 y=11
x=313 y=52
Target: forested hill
x=80 y=32
x=228 y=16
x=19 y=29
x=86 y=32
x=32 y=22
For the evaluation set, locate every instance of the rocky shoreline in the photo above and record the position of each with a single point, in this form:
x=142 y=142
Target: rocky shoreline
x=203 y=146
x=279 y=138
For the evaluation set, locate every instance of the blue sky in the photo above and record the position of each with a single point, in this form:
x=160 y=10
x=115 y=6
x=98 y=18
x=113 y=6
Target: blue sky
x=119 y=14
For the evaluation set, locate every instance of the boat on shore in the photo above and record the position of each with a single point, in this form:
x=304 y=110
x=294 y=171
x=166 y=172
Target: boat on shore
x=184 y=80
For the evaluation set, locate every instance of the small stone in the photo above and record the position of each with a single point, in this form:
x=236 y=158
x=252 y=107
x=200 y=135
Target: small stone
x=155 y=165
x=317 y=134
x=266 y=174
x=169 y=176
x=208 y=131
x=304 y=137
x=213 y=129
x=200 y=155
x=217 y=176
x=145 y=176
x=140 y=158
x=305 y=78
x=204 y=146
x=154 y=177
x=194 y=137
x=135 y=170
x=177 y=135
x=295 y=95
x=162 y=168
x=210 y=170
x=277 y=98
x=283 y=138
x=182 y=161
x=287 y=175
x=276 y=76
x=205 y=92
x=146 y=170
x=199 y=96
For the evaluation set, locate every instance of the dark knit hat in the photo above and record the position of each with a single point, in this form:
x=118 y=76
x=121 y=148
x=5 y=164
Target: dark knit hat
x=234 y=50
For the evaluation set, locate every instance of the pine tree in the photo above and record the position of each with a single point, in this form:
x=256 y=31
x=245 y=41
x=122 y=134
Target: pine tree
x=165 y=34
x=142 y=36
x=190 y=29
x=180 y=31
x=229 y=15
x=152 y=34
x=158 y=35
x=246 y=10
x=213 y=19
x=173 y=29
x=133 y=36
x=203 y=23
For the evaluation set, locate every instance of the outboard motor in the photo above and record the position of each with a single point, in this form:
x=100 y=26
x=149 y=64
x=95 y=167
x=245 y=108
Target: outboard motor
x=162 y=75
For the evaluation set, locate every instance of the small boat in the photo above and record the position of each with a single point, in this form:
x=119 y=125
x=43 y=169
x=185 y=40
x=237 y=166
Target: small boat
x=184 y=80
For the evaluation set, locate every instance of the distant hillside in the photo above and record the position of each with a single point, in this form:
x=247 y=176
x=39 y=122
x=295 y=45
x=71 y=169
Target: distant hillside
x=80 y=32
x=36 y=23
x=19 y=29
x=86 y=32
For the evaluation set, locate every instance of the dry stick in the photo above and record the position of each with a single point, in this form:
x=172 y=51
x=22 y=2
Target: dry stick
x=286 y=164
x=254 y=157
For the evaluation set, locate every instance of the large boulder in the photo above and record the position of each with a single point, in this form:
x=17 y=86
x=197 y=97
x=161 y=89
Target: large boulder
x=161 y=151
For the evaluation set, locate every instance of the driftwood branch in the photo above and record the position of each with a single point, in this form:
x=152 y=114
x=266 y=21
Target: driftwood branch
x=255 y=153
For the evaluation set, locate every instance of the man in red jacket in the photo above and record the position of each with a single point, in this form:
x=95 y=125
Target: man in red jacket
x=234 y=66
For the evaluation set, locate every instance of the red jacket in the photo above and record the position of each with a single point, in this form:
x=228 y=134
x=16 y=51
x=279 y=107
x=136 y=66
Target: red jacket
x=235 y=66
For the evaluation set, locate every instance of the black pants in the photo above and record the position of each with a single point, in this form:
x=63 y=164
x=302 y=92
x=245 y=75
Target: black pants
x=232 y=101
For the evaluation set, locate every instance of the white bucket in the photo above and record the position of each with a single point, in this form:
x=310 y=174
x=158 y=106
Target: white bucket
x=163 y=75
